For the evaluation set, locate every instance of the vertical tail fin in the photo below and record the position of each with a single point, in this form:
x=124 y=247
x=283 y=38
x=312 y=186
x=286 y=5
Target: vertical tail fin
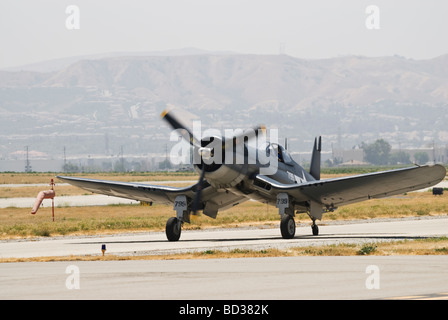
x=315 y=158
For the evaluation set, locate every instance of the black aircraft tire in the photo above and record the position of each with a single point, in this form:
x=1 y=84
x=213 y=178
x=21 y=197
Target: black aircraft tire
x=315 y=230
x=287 y=227
x=173 y=230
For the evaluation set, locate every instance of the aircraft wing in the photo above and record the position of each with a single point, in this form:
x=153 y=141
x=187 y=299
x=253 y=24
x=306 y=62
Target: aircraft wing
x=212 y=199
x=133 y=191
x=341 y=191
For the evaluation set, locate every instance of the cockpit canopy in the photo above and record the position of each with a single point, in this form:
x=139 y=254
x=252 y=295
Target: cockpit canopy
x=282 y=154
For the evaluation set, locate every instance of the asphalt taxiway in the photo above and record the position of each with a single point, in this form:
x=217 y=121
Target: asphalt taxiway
x=364 y=231
x=287 y=278
x=361 y=277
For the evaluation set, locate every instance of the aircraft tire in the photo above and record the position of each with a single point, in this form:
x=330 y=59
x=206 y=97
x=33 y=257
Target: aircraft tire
x=287 y=227
x=315 y=230
x=173 y=229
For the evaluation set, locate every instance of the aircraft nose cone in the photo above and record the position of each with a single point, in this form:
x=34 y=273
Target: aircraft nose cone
x=205 y=153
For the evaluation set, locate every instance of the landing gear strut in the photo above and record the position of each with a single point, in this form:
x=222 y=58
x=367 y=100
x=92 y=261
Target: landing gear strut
x=174 y=224
x=287 y=223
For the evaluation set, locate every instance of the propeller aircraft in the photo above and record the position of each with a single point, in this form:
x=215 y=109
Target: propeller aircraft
x=245 y=166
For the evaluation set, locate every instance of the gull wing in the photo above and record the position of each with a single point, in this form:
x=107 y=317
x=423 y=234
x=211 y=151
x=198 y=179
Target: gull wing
x=337 y=192
x=212 y=199
x=133 y=191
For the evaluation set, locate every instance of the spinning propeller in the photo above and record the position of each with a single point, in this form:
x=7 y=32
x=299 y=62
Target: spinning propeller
x=188 y=135
x=203 y=152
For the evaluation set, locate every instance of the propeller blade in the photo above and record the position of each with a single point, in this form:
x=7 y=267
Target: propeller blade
x=198 y=196
x=204 y=152
x=175 y=124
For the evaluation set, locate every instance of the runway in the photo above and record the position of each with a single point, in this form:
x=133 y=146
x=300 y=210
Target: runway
x=230 y=279
x=245 y=278
x=148 y=243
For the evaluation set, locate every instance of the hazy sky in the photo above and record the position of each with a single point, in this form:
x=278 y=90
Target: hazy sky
x=32 y=31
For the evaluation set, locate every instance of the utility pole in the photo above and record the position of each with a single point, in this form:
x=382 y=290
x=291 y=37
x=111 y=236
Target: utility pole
x=166 y=156
x=122 y=158
x=27 y=162
x=65 y=161
x=434 y=151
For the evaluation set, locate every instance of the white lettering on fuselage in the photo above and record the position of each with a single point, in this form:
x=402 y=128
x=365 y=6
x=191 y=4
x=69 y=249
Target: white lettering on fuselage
x=296 y=178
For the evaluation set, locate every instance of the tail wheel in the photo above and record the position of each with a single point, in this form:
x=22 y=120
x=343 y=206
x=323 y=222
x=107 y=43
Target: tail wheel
x=287 y=227
x=173 y=229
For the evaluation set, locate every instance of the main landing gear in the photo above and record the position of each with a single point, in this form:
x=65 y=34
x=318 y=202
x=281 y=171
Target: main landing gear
x=287 y=223
x=315 y=228
x=288 y=227
x=173 y=229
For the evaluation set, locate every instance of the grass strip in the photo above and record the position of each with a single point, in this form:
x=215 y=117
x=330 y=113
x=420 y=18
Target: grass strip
x=430 y=246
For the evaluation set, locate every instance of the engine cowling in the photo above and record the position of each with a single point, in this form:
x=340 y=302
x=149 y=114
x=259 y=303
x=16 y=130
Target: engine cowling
x=220 y=173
